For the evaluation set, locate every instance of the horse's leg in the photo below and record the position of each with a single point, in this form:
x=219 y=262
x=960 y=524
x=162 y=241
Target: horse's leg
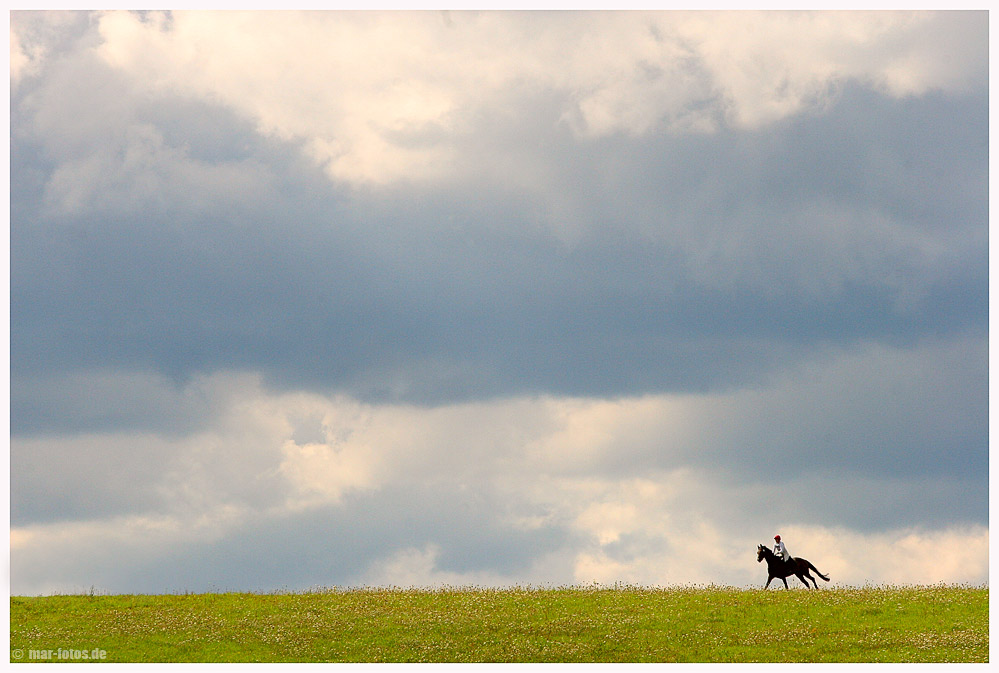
x=803 y=581
x=769 y=580
x=784 y=580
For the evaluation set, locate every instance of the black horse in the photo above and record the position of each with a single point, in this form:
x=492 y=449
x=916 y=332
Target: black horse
x=777 y=567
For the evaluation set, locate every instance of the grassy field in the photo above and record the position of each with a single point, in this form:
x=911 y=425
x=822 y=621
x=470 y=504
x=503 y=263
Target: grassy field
x=598 y=624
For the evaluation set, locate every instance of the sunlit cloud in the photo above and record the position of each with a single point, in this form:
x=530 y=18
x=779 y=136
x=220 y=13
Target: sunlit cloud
x=618 y=478
x=388 y=96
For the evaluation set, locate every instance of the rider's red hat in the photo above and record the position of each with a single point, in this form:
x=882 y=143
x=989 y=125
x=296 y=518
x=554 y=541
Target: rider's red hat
x=776 y=537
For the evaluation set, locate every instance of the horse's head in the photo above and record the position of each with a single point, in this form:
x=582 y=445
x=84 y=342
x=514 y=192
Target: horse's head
x=761 y=552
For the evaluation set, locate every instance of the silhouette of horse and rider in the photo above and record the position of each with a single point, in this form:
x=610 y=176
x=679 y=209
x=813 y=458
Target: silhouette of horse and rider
x=782 y=569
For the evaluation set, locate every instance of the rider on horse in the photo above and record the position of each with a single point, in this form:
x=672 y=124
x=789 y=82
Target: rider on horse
x=781 y=565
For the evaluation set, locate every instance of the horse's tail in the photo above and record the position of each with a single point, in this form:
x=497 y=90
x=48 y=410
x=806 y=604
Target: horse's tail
x=817 y=571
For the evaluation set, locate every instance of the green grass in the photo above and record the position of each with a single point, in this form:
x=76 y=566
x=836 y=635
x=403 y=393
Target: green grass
x=597 y=624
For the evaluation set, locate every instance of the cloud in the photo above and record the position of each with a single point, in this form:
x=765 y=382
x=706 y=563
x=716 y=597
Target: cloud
x=412 y=537
x=904 y=413
x=115 y=552
x=35 y=37
x=652 y=489
x=97 y=401
x=333 y=298
x=384 y=92
x=110 y=151
x=906 y=556
x=470 y=290
x=774 y=64
x=421 y=567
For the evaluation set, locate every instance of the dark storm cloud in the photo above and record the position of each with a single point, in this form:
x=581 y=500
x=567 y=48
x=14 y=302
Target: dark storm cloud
x=682 y=257
x=96 y=402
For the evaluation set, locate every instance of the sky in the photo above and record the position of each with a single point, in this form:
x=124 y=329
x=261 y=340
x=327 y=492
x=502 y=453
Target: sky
x=302 y=300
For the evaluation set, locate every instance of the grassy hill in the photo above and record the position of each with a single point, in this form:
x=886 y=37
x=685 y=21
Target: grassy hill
x=597 y=624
